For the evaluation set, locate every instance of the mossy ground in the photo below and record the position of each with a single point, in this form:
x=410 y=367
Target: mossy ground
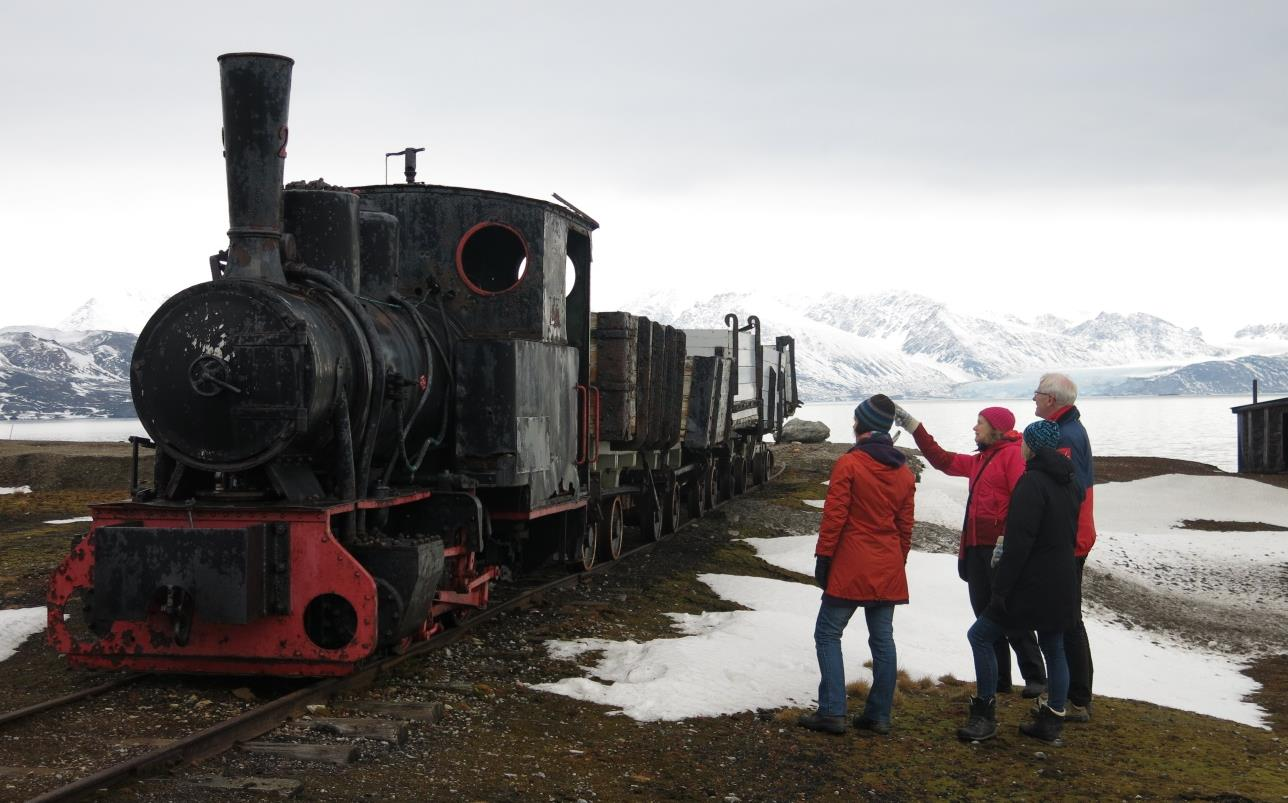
x=29 y=548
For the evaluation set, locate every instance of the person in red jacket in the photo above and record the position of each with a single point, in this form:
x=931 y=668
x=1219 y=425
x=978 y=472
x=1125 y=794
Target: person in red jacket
x=992 y=473
x=863 y=543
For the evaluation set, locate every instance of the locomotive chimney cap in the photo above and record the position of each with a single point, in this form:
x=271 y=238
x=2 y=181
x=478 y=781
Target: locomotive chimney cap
x=257 y=56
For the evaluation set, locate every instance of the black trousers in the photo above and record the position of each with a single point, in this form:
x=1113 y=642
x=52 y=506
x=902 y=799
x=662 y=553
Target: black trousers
x=1078 y=652
x=979 y=581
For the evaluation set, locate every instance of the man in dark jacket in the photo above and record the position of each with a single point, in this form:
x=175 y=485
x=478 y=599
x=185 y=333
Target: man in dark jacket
x=991 y=473
x=1034 y=586
x=863 y=544
x=1054 y=401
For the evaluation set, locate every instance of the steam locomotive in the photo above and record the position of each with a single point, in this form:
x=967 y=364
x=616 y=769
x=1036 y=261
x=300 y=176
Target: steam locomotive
x=385 y=397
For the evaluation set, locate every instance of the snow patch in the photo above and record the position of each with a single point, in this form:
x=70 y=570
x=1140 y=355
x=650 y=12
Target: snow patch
x=17 y=625
x=722 y=663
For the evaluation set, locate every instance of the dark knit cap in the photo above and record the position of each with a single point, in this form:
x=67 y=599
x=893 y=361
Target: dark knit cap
x=875 y=414
x=1042 y=435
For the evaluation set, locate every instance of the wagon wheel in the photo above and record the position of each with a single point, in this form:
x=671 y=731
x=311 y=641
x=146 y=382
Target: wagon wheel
x=650 y=517
x=697 y=494
x=613 y=531
x=671 y=509
x=725 y=483
x=589 y=545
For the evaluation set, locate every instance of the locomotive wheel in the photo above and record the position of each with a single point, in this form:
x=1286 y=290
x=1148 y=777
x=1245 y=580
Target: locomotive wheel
x=458 y=616
x=759 y=468
x=613 y=531
x=589 y=546
x=671 y=510
x=711 y=487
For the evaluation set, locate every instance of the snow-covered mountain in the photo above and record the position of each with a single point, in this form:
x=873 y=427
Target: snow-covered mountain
x=1263 y=331
x=1212 y=377
x=907 y=344
x=903 y=344
x=118 y=311
x=48 y=373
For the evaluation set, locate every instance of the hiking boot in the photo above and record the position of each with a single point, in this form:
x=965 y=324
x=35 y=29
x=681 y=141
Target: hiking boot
x=983 y=721
x=1033 y=689
x=1046 y=725
x=1077 y=713
x=819 y=722
x=878 y=726
x=1005 y=688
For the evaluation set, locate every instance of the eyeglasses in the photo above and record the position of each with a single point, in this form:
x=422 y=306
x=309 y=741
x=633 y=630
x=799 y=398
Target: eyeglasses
x=1043 y=393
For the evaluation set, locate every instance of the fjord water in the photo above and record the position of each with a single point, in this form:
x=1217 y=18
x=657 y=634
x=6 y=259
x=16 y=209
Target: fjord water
x=1198 y=428
x=81 y=430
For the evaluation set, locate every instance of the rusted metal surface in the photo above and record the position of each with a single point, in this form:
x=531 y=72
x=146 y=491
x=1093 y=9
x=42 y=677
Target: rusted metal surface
x=274 y=642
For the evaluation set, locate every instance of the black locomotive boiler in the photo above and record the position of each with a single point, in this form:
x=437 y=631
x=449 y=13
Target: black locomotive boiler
x=384 y=397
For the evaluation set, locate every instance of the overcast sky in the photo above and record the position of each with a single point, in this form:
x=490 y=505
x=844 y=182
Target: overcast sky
x=1035 y=156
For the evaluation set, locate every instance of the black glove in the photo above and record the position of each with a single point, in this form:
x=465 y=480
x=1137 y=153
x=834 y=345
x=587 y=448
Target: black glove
x=822 y=566
x=961 y=569
x=996 y=610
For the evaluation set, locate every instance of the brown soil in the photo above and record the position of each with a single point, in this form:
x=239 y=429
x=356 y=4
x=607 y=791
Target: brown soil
x=500 y=740
x=55 y=466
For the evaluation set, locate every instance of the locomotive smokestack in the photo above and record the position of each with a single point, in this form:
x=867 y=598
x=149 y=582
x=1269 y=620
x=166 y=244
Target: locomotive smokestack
x=256 y=90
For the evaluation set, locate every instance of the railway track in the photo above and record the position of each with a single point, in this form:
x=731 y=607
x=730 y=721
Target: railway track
x=261 y=719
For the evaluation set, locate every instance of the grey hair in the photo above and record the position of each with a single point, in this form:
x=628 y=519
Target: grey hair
x=1063 y=389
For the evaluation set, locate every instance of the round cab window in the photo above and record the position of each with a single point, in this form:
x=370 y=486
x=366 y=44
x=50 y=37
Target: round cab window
x=491 y=258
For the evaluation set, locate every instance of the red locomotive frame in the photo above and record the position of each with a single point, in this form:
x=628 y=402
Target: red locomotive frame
x=272 y=644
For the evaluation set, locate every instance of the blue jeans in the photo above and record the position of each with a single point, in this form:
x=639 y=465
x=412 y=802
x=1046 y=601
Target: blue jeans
x=985 y=632
x=831 y=623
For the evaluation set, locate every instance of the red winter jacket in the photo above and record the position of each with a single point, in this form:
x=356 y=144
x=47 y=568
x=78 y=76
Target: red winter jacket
x=867 y=528
x=993 y=473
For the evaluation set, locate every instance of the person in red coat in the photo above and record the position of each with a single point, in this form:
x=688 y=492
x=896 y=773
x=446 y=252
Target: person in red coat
x=863 y=544
x=992 y=472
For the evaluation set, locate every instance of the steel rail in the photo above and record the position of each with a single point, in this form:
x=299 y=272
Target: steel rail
x=225 y=735
x=56 y=702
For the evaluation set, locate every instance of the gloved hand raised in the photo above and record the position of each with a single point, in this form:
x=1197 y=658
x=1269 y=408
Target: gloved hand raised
x=904 y=419
x=822 y=566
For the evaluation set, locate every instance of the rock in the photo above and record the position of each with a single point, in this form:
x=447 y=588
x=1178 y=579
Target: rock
x=243 y=693
x=804 y=431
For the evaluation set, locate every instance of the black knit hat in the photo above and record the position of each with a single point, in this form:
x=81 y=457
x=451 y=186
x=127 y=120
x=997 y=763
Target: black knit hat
x=875 y=414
